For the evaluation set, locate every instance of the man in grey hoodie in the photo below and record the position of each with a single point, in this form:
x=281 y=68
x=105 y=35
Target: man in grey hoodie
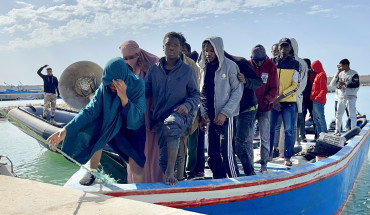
x=221 y=95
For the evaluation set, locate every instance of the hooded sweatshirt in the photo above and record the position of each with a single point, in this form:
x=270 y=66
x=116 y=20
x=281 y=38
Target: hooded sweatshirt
x=253 y=81
x=269 y=90
x=319 y=87
x=303 y=70
x=101 y=120
x=228 y=90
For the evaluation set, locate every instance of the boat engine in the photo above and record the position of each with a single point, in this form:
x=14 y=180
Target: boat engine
x=78 y=83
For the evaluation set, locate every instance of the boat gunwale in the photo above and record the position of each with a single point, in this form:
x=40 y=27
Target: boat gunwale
x=248 y=181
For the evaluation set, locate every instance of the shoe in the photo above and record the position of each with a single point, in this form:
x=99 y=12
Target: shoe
x=270 y=159
x=275 y=153
x=88 y=179
x=44 y=117
x=200 y=175
x=304 y=140
x=336 y=134
x=52 y=121
x=313 y=141
x=288 y=163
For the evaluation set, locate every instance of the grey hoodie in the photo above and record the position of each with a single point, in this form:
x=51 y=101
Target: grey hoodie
x=228 y=89
x=303 y=70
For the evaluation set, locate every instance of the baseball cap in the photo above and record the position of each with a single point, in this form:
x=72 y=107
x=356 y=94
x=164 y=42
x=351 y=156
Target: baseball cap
x=285 y=40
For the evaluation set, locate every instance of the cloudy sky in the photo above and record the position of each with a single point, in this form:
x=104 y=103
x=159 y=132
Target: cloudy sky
x=61 y=32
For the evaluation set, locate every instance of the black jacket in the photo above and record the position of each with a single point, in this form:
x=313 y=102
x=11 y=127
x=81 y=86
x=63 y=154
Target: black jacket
x=50 y=82
x=253 y=82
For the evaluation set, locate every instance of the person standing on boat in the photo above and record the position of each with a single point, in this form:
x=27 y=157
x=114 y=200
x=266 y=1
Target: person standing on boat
x=50 y=89
x=247 y=112
x=347 y=85
x=302 y=82
x=318 y=97
x=139 y=60
x=221 y=95
x=114 y=116
x=307 y=102
x=173 y=87
x=285 y=104
x=266 y=95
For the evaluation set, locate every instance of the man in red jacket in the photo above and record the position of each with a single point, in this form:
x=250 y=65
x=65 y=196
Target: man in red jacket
x=266 y=96
x=318 y=96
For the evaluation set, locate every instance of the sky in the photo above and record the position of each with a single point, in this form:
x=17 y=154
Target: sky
x=62 y=32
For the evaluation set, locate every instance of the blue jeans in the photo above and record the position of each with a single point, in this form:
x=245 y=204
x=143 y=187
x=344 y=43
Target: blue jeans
x=288 y=113
x=319 y=117
x=244 y=140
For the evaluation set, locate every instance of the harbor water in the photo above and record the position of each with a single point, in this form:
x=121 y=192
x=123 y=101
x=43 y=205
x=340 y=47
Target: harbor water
x=32 y=161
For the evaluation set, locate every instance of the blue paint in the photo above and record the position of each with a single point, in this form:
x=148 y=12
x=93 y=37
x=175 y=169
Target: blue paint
x=323 y=197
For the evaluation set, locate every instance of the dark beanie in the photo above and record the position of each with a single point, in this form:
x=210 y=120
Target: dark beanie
x=308 y=61
x=258 y=53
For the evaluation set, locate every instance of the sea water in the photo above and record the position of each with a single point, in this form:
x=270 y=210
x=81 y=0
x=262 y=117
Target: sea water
x=33 y=161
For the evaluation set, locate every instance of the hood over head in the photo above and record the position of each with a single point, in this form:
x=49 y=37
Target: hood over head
x=218 y=46
x=115 y=69
x=294 y=45
x=317 y=67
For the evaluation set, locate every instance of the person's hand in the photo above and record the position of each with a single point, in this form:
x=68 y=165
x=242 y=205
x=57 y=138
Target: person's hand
x=341 y=84
x=277 y=106
x=220 y=119
x=144 y=66
x=121 y=91
x=182 y=110
x=56 y=138
x=203 y=123
x=45 y=66
x=241 y=78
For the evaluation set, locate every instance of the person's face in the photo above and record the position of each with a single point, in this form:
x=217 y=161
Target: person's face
x=49 y=72
x=284 y=50
x=344 y=67
x=172 y=48
x=209 y=52
x=112 y=87
x=339 y=66
x=275 y=50
x=258 y=63
x=185 y=50
x=131 y=60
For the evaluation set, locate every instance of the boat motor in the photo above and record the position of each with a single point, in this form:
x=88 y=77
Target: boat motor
x=78 y=83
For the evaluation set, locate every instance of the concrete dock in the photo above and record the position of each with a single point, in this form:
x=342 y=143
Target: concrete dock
x=22 y=196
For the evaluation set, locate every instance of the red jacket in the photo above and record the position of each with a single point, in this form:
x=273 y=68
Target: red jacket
x=269 y=90
x=320 y=85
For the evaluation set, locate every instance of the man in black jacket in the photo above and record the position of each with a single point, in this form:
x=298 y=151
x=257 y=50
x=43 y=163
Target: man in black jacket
x=50 y=87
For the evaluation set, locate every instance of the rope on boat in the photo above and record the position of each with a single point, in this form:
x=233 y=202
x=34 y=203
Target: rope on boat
x=103 y=177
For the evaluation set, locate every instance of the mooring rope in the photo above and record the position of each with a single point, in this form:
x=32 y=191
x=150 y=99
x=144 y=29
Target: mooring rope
x=103 y=177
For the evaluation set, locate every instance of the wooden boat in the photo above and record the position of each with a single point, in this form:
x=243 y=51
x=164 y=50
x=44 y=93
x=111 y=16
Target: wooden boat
x=322 y=187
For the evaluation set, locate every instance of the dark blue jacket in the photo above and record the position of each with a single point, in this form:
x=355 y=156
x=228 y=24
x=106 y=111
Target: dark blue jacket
x=172 y=90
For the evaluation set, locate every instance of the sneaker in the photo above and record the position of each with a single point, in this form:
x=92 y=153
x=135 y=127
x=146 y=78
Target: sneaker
x=200 y=175
x=44 y=117
x=336 y=134
x=88 y=179
x=288 y=163
x=275 y=153
x=304 y=140
x=52 y=121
